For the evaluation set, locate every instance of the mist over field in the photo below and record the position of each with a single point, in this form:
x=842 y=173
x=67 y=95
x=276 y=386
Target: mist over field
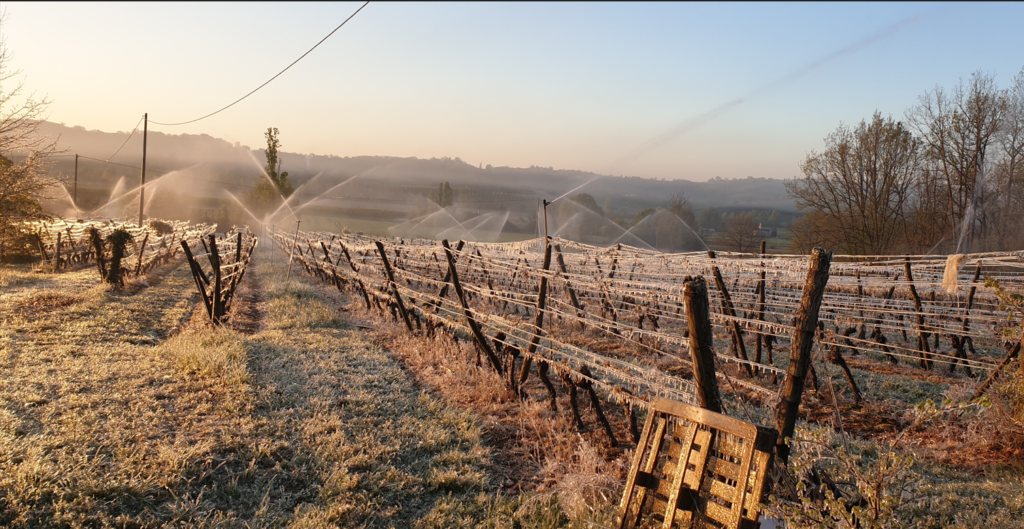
x=212 y=179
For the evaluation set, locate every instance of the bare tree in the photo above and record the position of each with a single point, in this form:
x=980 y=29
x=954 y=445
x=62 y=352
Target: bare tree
x=22 y=183
x=858 y=187
x=957 y=129
x=741 y=232
x=1009 y=169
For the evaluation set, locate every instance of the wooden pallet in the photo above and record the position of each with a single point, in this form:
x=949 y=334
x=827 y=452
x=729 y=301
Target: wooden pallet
x=720 y=485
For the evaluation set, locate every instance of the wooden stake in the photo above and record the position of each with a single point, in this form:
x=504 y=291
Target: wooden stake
x=394 y=285
x=800 y=355
x=760 y=305
x=730 y=311
x=218 y=302
x=959 y=343
x=922 y=337
x=538 y=321
x=572 y=293
x=481 y=341
x=698 y=316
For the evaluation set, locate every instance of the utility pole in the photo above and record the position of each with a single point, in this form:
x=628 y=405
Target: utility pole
x=546 y=204
x=142 y=186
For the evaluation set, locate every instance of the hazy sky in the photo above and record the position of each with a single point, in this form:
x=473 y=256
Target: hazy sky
x=613 y=88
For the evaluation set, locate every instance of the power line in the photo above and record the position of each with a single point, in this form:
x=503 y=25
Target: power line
x=271 y=79
x=126 y=140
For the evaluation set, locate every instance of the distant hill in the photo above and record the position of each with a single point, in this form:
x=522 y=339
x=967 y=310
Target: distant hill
x=235 y=164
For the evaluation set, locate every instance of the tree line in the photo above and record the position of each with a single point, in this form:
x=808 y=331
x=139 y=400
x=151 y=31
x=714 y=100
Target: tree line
x=948 y=178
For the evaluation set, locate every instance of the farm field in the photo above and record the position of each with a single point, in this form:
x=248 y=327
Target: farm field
x=126 y=407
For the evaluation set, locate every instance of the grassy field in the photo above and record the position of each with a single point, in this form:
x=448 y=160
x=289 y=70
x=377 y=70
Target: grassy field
x=122 y=409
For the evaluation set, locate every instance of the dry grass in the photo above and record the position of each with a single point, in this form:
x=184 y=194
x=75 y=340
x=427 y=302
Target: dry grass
x=557 y=474
x=111 y=414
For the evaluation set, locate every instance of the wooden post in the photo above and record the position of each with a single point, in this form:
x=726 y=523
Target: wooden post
x=394 y=285
x=44 y=256
x=698 y=319
x=196 y=274
x=860 y=294
x=800 y=354
x=572 y=293
x=922 y=337
x=56 y=254
x=959 y=342
x=295 y=244
x=142 y=251
x=448 y=276
x=760 y=305
x=538 y=321
x=218 y=302
x=359 y=282
x=473 y=325
x=74 y=192
x=730 y=312
x=142 y=184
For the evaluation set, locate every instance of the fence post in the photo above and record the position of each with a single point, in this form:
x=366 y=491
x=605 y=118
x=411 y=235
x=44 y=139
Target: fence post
x=730 y=312
x=394 y=285
x=196 y=274
x=572 y=293
x=698 y=319
x=800 y=354
x=538 y=321
x=960 y=343
x=218 y=302
x=473 y=325
x=447 y=277
x=761 y=295
x=922 y=337
x=142 y=251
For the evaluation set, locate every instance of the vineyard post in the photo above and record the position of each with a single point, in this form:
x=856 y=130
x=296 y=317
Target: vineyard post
x=295 y=242
x=74 y=190
x=730 y=312
x=56 y=254
x=698 y=316
x=538 y=321
x=42 y=248
x=800 y=353
x=359 y=282
x=860 y=295
x=142 y=184
x=238 y=259
x=922 y=337
x=394 y=285
x=447 y=278
x=196 y=274
x=218 y=303
x=960 y=342
x=142 y=250
x=760 y=305
x=473 y=325
x=568 y=286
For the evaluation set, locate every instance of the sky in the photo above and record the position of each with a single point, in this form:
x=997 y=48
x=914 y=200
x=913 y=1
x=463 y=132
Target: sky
x=657 y=90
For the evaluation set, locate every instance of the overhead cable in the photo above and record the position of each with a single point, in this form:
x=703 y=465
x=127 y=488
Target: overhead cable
x=268 y=81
